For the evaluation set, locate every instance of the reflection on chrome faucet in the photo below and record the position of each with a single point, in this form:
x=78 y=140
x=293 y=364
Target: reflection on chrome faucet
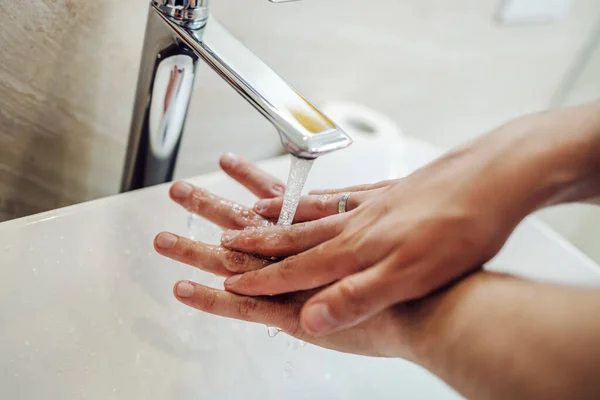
x=180 y=33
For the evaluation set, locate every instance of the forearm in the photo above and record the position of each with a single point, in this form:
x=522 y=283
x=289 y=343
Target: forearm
x=552 y=157
x=496 y=337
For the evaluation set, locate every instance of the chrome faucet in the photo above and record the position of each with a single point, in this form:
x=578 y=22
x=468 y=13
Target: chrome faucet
x=180 y=33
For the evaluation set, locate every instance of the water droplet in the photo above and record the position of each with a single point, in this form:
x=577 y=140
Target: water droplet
x=16 y=375
x=127 y=252
x=288 y=370
x=328 y=377
x=26 y=343
x=34 y=271
x=120 y=321
x=273 y=331
x=71 y=331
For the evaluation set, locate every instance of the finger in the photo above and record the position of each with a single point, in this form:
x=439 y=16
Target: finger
x=279 y=312
x=213 y=259
x=359 y=188
x=253 y=178
x=283 y=241
x=311 y=207
x=316 y=267
x=324 y=264
x=218 y=210
x=359 y=297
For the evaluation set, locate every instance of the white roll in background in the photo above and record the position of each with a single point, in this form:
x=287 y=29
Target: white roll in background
x=376 y=138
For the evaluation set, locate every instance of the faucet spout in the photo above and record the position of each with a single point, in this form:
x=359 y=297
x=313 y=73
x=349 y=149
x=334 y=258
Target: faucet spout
x=178 y=35
x=305 y=131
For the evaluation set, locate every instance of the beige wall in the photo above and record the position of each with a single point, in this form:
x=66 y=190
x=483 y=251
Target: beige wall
x=444 y=70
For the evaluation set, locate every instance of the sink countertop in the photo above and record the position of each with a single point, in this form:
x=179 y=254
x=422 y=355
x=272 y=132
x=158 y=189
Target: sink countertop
x=88 y=312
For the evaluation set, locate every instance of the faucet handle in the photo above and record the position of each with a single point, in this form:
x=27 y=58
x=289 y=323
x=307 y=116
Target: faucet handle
x=187 y=12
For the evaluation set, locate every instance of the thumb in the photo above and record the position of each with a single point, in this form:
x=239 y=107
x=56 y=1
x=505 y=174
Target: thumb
x=356 y=299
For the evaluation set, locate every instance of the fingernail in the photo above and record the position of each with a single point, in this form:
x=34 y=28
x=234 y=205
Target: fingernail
x=318 y=319
x=185 y=289
x=166 y=240
x=279 y=189
x=262 y=205
x=232 y=280
x=229 y=236
x=229 y=160
x=181 y=190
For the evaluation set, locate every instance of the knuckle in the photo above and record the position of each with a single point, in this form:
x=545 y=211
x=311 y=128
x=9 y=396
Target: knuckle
x=189 y=253
x=236 y=261
x=208 y=301
x=286 y=268
x=354 y=302
x=292 y=327
x=246 y=307
x=300 y=233
x=322 y=203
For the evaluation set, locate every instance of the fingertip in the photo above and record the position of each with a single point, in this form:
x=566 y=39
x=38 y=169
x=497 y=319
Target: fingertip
x=165 y=241
x=228 y=161
x=179 y=191
x=184 y=289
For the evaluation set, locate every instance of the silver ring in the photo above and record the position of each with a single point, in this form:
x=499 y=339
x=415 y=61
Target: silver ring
x=343 y=203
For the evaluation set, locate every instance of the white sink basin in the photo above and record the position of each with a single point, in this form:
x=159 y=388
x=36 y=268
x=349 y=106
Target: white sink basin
x=87 y=309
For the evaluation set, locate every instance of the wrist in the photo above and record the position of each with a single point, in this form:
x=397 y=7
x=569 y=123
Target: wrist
x=543 y=159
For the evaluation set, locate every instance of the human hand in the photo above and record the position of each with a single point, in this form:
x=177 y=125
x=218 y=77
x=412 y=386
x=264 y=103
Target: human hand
x=386 y=335
x=405 y=239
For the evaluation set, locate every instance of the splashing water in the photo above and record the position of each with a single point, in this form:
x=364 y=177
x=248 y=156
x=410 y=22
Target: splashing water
x=299 y=170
